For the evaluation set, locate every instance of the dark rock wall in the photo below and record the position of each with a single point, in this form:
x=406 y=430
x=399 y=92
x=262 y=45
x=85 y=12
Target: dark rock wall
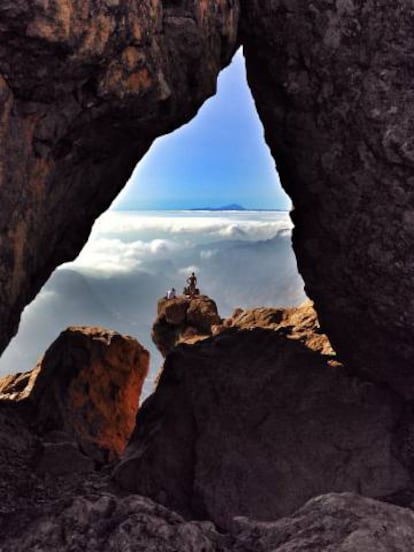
x=85 y=87
x=333 y=84
x=254 y=423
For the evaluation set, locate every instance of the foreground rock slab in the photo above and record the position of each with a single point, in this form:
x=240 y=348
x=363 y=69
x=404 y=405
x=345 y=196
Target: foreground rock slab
x=255 y=422
x=86 y=389
x=334 y=523
x=93 y=523
x=111 y=524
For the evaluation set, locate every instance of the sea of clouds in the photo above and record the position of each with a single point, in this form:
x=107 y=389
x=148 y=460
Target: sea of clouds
x=242 y=259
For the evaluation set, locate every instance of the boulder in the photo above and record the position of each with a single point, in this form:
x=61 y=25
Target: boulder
x=184 y=319
x=255 y=422
x=108 y=523
x=333 y=523
x=88 y=385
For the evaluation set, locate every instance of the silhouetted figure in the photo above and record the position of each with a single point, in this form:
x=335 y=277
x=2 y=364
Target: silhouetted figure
x=192 y=285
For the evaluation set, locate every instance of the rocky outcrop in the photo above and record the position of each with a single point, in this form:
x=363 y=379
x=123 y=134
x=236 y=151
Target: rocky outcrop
x=106 y=522
x=85 y=88
x=333 y=523
x=79 y=510
x=184 y=320
x=332 y=83
x=254 y=422
x=86 y=389
x=92 y=523
x=300 y=323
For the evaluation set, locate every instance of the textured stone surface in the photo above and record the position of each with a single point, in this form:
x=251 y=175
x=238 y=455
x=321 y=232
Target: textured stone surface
x=333 y=86
x=333 y=523
x=107 y=523
x=88 y=384
x=254 y=422
x=93 y=523
x=183 y=320
x=63 y=458
x=300 y=323
x=85 y=87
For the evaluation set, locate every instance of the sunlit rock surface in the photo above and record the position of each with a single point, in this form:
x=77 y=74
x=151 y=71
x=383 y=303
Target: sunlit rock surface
x=332 y=83
x=184 y=320
x=85 y=88
x=87 y=386
x=298 y=323
x=257 y=420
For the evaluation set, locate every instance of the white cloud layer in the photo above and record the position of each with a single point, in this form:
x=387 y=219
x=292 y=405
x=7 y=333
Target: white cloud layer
x=131 y=259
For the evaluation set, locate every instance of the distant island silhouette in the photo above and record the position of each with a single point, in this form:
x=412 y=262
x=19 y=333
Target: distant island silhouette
x=230 y=207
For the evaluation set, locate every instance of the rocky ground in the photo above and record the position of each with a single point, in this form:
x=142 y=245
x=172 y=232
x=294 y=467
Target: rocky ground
x=258 y=428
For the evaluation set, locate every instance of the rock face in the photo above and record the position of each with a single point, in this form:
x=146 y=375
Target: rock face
x=184 y=320
x=87 y=386
x=92 y=523
x=332 y=83
x=78 y=509
x=85 y=88
x=105 y=522
x=87 y=85
x=300 y=323
x=255 y=422
x=334 y=523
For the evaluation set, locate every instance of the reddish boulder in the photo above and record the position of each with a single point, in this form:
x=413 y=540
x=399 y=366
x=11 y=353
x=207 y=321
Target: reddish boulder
x=88 y=385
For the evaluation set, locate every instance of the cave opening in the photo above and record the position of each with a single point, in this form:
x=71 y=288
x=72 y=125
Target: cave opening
x=206 y=198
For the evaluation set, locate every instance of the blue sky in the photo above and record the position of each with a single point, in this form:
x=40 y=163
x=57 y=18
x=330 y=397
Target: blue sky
x=220 y=157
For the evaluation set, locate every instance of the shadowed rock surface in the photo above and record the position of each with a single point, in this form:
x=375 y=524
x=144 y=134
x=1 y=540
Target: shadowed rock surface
x=184 y=320
x=332 y=82
x=85 y=88
x=255 y=422
x=334 y=523
x=108 y=523
x=87 y=387
x=303 y=426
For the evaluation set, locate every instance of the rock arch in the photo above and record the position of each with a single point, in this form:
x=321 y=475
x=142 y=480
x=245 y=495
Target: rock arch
x=85 y=87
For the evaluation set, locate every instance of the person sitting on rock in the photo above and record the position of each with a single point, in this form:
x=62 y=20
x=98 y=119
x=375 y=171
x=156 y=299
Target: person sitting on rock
x=192 y=284
x=171 y=294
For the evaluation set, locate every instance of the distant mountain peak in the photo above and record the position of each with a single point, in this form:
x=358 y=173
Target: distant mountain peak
x=230 y=207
